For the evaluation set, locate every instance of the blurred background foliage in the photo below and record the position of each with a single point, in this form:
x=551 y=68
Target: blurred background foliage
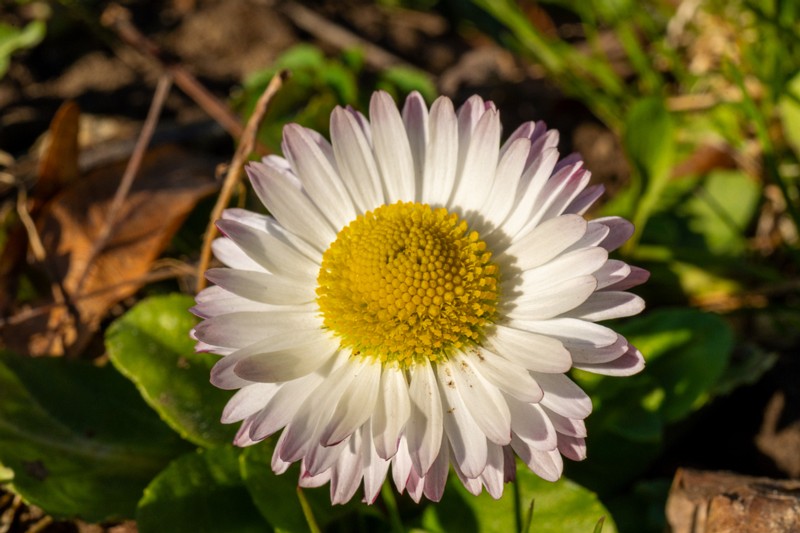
x=704 y=99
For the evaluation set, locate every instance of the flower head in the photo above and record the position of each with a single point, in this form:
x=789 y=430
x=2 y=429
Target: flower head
x=415 y=300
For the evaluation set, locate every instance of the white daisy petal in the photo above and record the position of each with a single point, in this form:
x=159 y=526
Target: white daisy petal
x=569 y=265
x=566 y=426
x=242 y=329
x=476 y=174
x=281 y=407
x=441 y=154
x=286 y=200
x=530 y=350
x=375 y=468
x=636 y=277
x=563 y=396
x=499 y=202
x=627 y=364
x=392 y=411
x=533 y=180
x=261 y=286
x=231 y=255
x=317 y=172
x=546 y=465
x=392 y=150
x=467 y=440
x=415 y=300
x=570 y=331
x=415 y=119
x=485 y=403
x=493 y=475
x=546 y=241
x=269 y=251
x=355 y=160
x=356 y=407
x=585 y=199
x=572 y=447
x=620 y=230
x=247 y=401
x=531 y=424
x=554 y=300
x=607 y=305
x=286 y=364
x=425 y=426
x=436 y=477
x=507 y=376
x=401 y=465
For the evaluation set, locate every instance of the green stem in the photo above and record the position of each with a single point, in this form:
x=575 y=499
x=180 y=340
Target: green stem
x=307 y=512
x=391 y=506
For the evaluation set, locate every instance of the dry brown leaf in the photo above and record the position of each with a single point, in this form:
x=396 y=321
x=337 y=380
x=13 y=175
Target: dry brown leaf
x=58 y=166
x=169 y=184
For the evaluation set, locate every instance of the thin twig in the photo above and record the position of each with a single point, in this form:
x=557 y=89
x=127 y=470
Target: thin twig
x=150 y=277
x=30 y=227
x=162 y=89
x=235 y=170
x=37 y=246
x=118 y=19
x=329 y=32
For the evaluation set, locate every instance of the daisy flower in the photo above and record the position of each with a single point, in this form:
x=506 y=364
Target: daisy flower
x=415 y=300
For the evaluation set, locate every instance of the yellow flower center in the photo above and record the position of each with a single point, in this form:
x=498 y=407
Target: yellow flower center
x=405 y=282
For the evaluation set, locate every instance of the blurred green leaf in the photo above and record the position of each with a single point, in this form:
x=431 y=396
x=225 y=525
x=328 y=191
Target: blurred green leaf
x=79 y=439
x=648 y=138
x=789 y=112
x=150 y=344
x=562 y=507
x=402 y=80
x=317 y=84
x=199 y=492
x=687 y=351
x=276 y=498
x=722 y=209
x=13 y=39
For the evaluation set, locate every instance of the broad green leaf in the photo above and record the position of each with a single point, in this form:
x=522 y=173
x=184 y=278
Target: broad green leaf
x=276 y=495
x=200 y=492
x=79 y=439
x=13 y=39
x=562 y=507
x=150 y=344
x=722 y=209
x=687 y=370
x=686 y=350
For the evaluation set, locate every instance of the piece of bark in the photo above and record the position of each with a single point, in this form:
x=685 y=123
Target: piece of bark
x=722 y=502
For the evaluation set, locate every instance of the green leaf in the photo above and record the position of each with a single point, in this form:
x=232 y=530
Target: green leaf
x=687 y=352
x=402 y=80
x=13 y=39
x=150 y=344
x=789 y=112
x=79 y=439
x=276 y=495
x=200 y=492
x=722 y=210
x=648 y=138
x=562 y=507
